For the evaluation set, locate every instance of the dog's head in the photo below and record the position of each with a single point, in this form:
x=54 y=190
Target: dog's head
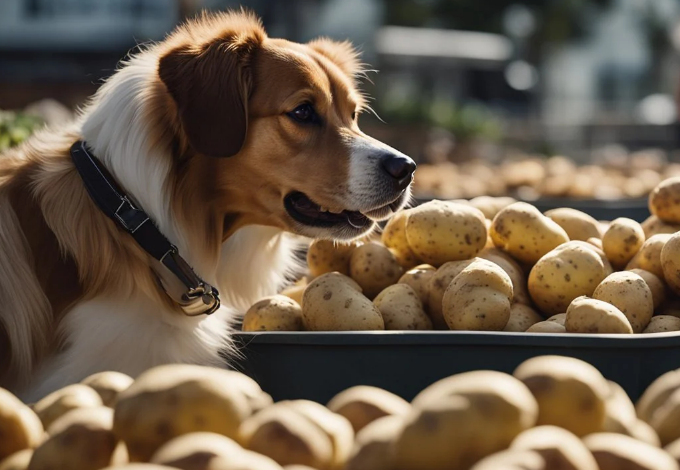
x=276 y=123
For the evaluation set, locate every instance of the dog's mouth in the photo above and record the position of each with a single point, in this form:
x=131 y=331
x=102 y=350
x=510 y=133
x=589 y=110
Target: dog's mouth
x=305 y=211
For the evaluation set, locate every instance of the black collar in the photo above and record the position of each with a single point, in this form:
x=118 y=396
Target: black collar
x=198 y=296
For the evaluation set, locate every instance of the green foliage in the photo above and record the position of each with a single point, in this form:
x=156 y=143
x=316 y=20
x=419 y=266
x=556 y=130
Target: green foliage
x=15 y=128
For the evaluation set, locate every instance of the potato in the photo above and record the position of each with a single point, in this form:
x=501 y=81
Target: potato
x=373 y=445
x=559 y=448
x=586 y=315
x=670 y=262
x=622 y=241
x=666 y=417
x=439 y=231
x=664 y=200
x=167 y=401
x=616 y=452
x=81 y=439
x=513 y=269
x=337 y=428
x=649 y=256
x=596 y=242
x=563 y=274
x=394 y=238
x=374 y=268
x=286 y=436
x=274 y=313
x=673 y=449
x=526 y=234
x=363 y=404
x=656 y=394
x=203 y=451
x=257 y=399
x=330 y=304
x=327 y=256
x=478 y=298
x=297 y=467
x=419 y=278
x=631 y=295
x=652 y=225
x=108 y=385
x=577 y=224
x=17 y=461
x=619 y=406
x=558 y=318
x=139 y=466
x=62 y=401
x=663 y=324
x=294 y=292
x=438 y=284
x=512 y=460
x=570 y=393
x=547 y=327
x=401 y=309
x=459 y=420
x=655 y=284
x=20 y=428
x=521 y=318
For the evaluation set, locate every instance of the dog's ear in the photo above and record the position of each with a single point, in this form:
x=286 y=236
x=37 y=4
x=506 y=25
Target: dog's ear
x=210 y=85
x=343 y=54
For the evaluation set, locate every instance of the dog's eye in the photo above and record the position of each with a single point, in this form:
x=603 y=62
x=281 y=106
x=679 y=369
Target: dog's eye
x=304 y=113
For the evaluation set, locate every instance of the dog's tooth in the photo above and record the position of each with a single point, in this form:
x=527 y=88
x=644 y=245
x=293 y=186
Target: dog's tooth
x=334 y=211
x=323 y=209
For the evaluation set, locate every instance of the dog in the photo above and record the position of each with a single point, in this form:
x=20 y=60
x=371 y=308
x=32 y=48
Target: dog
x=230 y=145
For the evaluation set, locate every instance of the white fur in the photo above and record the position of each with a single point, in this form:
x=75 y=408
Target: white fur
x=130 y=333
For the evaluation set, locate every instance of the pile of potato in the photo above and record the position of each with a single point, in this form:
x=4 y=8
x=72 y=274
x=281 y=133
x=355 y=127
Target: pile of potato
x=615 y=177
x=552 y=413
x=492 y=264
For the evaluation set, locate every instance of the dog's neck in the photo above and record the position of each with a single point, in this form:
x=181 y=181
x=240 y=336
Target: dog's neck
x=124 y=126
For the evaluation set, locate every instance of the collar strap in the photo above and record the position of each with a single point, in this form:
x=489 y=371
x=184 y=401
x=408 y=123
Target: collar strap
x=198 y=297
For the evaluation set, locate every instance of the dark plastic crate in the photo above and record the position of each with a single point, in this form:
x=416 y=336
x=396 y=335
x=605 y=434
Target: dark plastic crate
x=316 y=366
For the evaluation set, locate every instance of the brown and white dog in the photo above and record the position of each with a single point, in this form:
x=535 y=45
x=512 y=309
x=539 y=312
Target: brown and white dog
x=78 y=295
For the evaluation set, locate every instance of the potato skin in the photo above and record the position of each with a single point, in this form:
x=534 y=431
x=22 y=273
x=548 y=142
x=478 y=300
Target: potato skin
x=17 y=461
x=664 y=200
x=631 y=295
x=64 y=400
x=663 y=324
x=513 y=269
x=586 y=315
x=440 y=231
x=616 y=451
x=522 y=317
x=670 y=262
x=546 y=327
x=563 y=274
x=655 y=284
x=560 y=448
x=526 y=234
x=274 y=313
x=374 y=268
x=373 y=444
x=394 y=238
x=652 y=225
x=649 y=255
x=461 y=419
x=577 y=224
x=402 y=309
x=478 y=298
x=570 y=393
x=363 y=404
x=437 y=286
x=327 y=256
x=171 y=400
x=108 y=385
x=657 y=394
x=419 y=278
x=19 y=425
x=622 y=240
x=332 y=304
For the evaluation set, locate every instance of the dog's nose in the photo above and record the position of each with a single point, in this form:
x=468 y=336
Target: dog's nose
x=399 y=167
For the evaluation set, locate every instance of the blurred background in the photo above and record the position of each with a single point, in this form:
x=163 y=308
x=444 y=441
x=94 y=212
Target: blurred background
x=532 y=98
